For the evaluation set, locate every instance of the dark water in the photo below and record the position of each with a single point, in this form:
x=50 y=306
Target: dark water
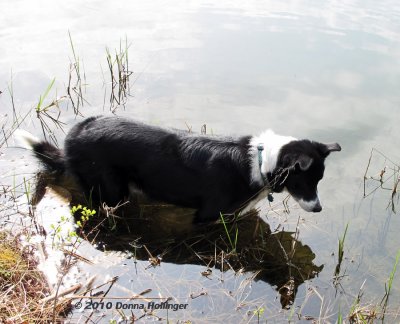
x=328 y=72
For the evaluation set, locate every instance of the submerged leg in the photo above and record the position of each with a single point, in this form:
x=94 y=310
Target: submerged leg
x=106 y=186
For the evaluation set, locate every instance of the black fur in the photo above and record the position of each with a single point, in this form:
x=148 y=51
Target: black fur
x=299 y=168
x=51 y=157
x=210 y=174
x=206 y=173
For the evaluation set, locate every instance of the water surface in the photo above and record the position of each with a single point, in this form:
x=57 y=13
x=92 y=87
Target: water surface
x=327 y=71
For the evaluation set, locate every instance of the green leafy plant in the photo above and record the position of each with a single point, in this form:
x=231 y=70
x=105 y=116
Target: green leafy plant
x=71 y=236
x=259 y=312
x=86 y=214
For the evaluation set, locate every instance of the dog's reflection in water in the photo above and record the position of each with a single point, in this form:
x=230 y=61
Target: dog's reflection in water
x=166 y=233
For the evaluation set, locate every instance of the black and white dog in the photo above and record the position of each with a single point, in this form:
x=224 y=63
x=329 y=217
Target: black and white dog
x=211 y=174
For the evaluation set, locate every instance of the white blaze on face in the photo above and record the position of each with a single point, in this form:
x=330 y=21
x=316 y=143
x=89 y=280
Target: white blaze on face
x=310 y=205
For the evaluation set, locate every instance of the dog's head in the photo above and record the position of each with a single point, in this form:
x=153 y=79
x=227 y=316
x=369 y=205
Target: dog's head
x=299 y=168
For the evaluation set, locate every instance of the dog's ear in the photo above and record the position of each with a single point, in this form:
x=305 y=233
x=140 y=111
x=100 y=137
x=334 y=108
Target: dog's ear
x=303 y=162
x=297 y=162
x=325 y=149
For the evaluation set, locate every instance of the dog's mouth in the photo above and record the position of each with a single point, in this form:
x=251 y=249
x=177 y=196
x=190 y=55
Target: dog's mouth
x=313 y=205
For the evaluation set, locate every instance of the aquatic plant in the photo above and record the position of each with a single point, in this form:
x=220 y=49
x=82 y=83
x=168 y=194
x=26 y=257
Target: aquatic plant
x=119 y=72
x=389 y=285
x=74 y=88
x=232 y=242
x=47 y=115
x=340 y=252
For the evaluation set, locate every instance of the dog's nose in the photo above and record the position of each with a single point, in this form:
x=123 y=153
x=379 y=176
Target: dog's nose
x=317 y=208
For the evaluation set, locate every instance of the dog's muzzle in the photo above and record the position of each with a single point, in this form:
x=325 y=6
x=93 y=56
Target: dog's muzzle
x=313 y=206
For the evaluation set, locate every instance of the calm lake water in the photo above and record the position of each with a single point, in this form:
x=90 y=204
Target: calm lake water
x=325 y=71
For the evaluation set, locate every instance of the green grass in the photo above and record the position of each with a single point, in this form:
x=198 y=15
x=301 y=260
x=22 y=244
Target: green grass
x=340 y=317
x=40 y=107
x=47 y=115
x=341 y=251
x=389 y=284
x=233 y=243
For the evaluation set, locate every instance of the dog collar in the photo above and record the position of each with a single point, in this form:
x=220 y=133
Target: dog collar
x=260 y=149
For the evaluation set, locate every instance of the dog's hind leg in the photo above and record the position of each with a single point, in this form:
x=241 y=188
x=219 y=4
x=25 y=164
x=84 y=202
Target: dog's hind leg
x=105 y=186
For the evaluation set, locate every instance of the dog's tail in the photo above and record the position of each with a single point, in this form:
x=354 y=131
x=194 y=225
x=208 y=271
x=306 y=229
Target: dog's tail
x=51 y=156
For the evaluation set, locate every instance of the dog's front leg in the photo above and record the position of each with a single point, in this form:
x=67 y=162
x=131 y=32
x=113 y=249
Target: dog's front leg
x=211 y=210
